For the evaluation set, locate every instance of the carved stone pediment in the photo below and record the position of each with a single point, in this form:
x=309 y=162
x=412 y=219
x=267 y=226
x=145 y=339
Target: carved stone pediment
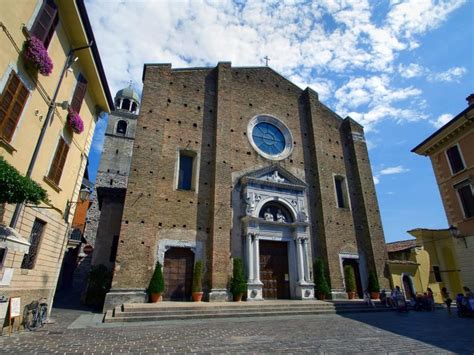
x=274 y=174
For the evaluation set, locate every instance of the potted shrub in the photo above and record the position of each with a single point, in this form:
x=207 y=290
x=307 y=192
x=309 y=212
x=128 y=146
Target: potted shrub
x=349 y=278
x=157 y=284
x=75 y=122
x=373 y=286
x=321 y=287
x=238 y=285
x=36 y=56
x=197 y=282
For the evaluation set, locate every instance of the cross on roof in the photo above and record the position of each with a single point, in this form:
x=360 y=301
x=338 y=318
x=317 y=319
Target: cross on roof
x=266 y=60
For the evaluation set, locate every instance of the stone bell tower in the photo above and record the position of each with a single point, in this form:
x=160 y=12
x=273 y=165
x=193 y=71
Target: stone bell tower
x=105 y=214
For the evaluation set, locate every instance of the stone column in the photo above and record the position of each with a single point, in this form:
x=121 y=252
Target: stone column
x=299 y=260
x=121 y=102
x=250 y=259
x=306 y=260
x=256 y=259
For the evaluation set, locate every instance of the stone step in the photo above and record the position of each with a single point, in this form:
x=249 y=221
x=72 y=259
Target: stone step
x=160 y=307
x=241 y=313
x=157 y=311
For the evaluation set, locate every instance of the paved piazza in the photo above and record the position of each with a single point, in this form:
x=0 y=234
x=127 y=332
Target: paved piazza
x=82 y=332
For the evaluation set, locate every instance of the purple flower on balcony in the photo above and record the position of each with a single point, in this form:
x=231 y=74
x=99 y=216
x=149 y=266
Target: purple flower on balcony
x=35 y=54
x=75 y=121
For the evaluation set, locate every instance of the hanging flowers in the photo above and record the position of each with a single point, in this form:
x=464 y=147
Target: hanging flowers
x=75 y=121
x=37 y=56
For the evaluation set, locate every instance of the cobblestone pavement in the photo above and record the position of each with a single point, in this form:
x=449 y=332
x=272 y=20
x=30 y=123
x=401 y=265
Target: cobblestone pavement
x=82 y=332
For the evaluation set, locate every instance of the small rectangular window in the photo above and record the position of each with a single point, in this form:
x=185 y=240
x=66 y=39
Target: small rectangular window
x=79 y=93
x=45 y=23
x=185 y=178
x=35 y=239
x=437 y=274
x=455 y=160
x=12 y=102
x=340 y=193
x=59 y=160
x=467 y=198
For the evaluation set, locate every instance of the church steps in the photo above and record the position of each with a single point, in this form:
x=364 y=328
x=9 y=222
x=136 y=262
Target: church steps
x=141 y=313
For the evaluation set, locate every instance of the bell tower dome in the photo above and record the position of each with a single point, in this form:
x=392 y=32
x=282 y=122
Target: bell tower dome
x=127 y=99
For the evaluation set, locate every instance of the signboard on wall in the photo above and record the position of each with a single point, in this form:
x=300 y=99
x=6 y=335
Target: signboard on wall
x=15 y=307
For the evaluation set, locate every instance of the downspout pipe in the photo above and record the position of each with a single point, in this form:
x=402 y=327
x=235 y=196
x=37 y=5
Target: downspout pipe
x=49 y=115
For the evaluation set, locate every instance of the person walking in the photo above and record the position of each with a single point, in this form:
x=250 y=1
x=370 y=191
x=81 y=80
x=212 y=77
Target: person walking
x=447 y=300
x=430 y=299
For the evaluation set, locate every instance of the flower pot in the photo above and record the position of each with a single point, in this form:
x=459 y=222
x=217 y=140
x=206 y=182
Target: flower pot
x=197 y=296
x=238 y=298
x=321 y=296
x=351 y=295
x=375 y=295
x=155 y=297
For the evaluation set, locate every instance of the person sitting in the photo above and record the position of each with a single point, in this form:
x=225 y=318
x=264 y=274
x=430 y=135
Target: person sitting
x=368 y=301
x=383 y=298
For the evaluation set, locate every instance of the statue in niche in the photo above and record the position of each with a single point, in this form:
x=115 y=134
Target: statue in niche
x=304 y=215
x=250 y=200
x=280 y=217
x=275 y=177
x=268 y=215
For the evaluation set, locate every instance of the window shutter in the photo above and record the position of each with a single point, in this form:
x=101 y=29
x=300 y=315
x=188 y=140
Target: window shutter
x=79 y=93
x=45 y=22
x=12 y=102
x=59 y=160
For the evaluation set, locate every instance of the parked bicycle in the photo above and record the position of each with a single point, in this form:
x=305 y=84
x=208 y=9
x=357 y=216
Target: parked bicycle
x=36 y=314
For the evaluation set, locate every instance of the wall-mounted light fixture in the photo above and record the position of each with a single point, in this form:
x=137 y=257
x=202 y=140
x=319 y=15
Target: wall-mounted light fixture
x=457 y=234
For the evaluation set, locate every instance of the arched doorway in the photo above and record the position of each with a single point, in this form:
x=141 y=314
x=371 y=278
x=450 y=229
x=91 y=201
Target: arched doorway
x=408 y=287
x=178 y=274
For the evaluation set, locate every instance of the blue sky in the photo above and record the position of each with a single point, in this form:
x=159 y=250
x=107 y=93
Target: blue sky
x=400 y=68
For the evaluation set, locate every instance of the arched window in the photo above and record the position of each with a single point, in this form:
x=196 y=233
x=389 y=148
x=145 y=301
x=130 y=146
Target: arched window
x=134 y=107
x=276 y=210
x=121 y=127
x=126 y=104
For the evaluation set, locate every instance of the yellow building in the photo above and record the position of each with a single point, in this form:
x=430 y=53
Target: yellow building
x=37 y=137
x=425 y=262
x=451 y=151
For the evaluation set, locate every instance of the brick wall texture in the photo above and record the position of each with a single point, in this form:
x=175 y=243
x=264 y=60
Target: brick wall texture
x=206 y=110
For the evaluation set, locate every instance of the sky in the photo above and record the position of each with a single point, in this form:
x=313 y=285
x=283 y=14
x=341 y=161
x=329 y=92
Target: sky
x=400 y=68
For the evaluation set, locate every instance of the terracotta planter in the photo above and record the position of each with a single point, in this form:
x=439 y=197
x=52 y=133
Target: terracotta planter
x=197 y=296
x=321 y=296
x=351 y=295
x=375 y=295
x=238 y=298
x=155 y=297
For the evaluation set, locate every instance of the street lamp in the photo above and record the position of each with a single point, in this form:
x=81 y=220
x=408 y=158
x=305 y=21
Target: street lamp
x=457 y=234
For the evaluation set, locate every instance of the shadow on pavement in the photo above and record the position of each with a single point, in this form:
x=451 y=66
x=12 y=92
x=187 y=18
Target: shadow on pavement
x=456 y=333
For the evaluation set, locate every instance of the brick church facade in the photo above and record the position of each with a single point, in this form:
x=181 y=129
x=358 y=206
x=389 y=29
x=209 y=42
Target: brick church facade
x=239 y=162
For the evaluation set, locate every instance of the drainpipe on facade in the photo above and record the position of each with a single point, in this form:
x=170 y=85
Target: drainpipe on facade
x=49 y=115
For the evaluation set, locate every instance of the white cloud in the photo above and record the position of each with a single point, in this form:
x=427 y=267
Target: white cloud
x=334 y=41
x=411 y=70
x=442 y=120
x=394 y=170
x=452 y=74
x=376 y=180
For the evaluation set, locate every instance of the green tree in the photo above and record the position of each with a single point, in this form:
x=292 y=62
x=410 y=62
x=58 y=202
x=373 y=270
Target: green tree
x=99 y=279
x=16 y=188
x=238 y=285
x=321 y=285
x=373 y=283
x=349 y=278
x=157 y=282
x=197 y=277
